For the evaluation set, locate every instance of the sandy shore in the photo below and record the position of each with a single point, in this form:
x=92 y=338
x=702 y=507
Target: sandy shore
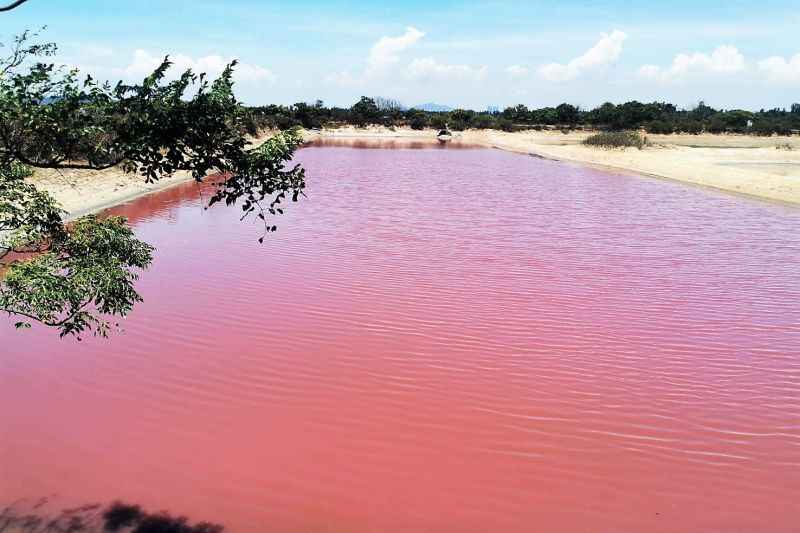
x=81 y=192
x=742 y=165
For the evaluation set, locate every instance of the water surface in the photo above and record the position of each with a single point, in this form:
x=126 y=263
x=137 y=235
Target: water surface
x=436 y=339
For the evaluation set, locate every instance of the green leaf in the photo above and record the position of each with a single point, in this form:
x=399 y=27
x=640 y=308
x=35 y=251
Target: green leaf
x=74 y=277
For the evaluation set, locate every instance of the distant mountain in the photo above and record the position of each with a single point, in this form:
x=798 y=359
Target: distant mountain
x=432 y=108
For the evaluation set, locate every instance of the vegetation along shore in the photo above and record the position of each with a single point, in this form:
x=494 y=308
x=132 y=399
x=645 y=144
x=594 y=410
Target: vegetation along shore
x=762 y=167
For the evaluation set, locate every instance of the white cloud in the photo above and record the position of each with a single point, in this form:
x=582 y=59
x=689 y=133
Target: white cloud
x=606 y=51
x=384 y=54
x=724 y=60
x=428 y=68
x=245 y=72
x=144 y=63
x=342 y=79
x=780 y=71
x=516 y=70
x=650 y=72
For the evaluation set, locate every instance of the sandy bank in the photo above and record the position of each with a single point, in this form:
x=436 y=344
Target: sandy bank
x=81 y=192
x=749 y=166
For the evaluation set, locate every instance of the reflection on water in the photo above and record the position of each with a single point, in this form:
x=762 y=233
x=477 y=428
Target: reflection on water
x=413 y=143
x=450 y=340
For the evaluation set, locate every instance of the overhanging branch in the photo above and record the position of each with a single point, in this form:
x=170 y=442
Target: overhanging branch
x=12 y=5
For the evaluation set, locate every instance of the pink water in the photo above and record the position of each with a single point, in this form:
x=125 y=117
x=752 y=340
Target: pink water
x=441 y=340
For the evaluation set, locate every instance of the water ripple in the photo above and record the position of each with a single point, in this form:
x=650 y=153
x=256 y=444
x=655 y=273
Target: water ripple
x=443 y=340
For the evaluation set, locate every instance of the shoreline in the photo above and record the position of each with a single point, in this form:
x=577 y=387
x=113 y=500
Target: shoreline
x=744 y=166
x=85 y=192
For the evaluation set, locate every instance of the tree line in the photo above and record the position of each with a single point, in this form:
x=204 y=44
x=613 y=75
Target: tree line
x=654 y=117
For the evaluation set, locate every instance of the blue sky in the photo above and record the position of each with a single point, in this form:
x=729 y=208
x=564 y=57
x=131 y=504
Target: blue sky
x=731 y=53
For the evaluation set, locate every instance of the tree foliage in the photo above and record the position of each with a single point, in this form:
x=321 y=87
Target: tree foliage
x=74 y=276
x=365 y=111
x=84 y=273
x=654 y=117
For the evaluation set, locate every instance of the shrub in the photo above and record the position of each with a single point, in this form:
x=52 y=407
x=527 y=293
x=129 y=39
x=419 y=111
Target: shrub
x=439 y=121
x=506 y=125
x=418 y=122
x=716 y=125
x=15 y=171
x=658 y=126
x=616 y=139
x=484 y=122
x=251 y=125
x=692 y=127
x=763 y=127
x=283 y=122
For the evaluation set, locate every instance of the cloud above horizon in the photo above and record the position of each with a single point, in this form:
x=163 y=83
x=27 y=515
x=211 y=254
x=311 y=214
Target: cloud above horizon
x=723 y=61
x=385 y=52
x=427 y=68
x=463 y=54
x=143 y=64
x=516 y=70
x=606 y=51
x=780 y=71
x=382 y=56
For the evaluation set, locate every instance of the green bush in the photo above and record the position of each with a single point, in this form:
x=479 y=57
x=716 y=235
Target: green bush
x=251 y=125
x=616 y=139
x=439 y=121
x=658 y=126
x=418 y=123
x=716 y=125
x=484 y=122
x=283 y=122
x=692 y=127
x=15 y=171
x=506 y=125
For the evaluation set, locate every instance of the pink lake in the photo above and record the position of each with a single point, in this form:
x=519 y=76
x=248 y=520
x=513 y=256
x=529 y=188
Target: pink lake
x=435 y=340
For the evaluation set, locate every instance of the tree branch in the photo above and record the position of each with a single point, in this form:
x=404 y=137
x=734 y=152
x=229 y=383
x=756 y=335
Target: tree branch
x=59 y=164
x=12 y=5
